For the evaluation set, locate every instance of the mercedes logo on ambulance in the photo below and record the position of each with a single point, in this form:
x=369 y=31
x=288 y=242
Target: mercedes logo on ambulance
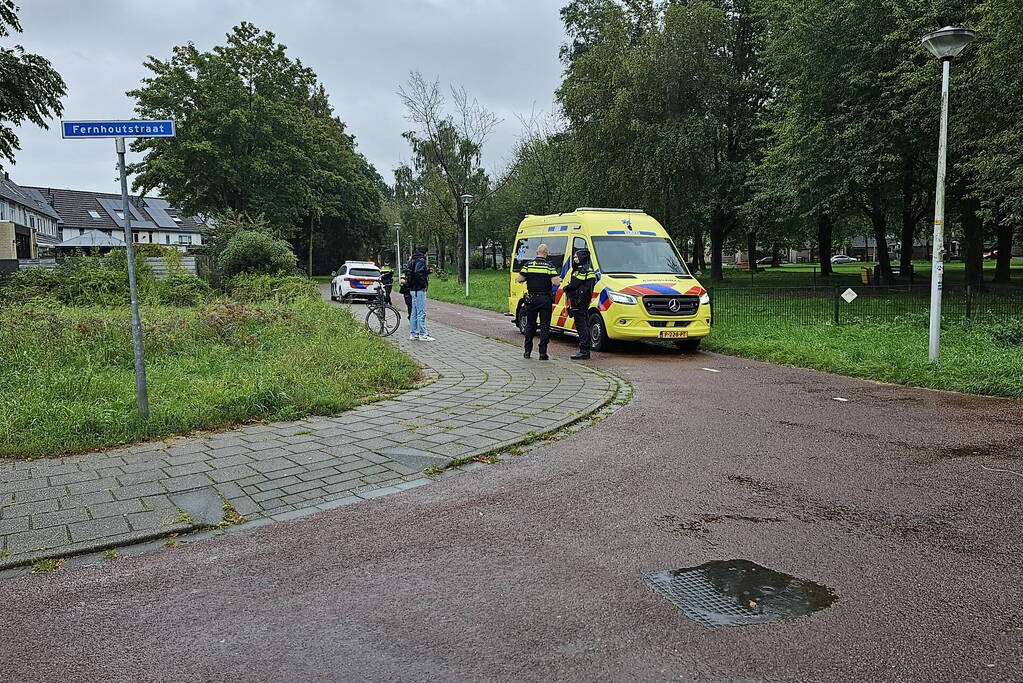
x=675 y=305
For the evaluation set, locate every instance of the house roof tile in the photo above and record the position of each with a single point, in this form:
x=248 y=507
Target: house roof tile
x=77 y=206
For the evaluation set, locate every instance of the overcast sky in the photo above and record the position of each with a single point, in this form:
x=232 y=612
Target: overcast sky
x=505 y=52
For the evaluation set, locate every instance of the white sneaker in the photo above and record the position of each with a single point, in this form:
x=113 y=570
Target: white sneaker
x=413 y=337
x=426 y=337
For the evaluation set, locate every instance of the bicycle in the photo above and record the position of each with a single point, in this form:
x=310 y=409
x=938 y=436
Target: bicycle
x=382 y=319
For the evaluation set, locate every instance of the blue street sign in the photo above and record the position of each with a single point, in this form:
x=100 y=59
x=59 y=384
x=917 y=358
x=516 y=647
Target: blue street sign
x=118 y=129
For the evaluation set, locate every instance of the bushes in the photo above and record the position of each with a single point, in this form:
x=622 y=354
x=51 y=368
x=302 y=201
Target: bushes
x=256 y=288
x=83 y=281
x=92 y=281
x=182 y=289
x=101 y=281
x=256 y=252
x=29 y=285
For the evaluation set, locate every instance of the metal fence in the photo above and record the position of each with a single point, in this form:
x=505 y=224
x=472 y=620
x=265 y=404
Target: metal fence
x=863 y=303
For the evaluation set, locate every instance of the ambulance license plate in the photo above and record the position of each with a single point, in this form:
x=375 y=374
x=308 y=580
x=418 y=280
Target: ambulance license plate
x=674 y=334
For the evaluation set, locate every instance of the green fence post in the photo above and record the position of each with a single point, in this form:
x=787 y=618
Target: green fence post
x=836 y=299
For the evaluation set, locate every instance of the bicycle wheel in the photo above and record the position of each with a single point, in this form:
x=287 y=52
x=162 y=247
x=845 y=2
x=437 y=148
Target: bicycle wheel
x=382 y=321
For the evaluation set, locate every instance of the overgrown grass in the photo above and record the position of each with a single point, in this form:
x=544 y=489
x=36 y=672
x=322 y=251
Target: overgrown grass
x=978 y=358
x=67 y=382
x=487 y=289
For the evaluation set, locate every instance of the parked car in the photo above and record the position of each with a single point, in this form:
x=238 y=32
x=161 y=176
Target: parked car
x=355 y=280
x=768 y=260
x=843 y=258
x=991 y=255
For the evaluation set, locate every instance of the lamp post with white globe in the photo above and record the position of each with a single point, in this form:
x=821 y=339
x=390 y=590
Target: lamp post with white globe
x=946 y=44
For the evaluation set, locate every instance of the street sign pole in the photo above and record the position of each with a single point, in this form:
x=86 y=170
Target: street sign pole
x=141 y=386
x=119 y=130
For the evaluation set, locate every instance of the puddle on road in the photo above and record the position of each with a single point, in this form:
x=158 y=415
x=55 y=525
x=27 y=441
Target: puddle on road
x=738 y=593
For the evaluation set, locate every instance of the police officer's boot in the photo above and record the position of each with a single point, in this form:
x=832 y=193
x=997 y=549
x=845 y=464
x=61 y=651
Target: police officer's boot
x=582 y=355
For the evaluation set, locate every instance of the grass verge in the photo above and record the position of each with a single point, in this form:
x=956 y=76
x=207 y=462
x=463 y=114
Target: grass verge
x=488 y=289
x=67 y=382
x=979 y=358
x=975 y=359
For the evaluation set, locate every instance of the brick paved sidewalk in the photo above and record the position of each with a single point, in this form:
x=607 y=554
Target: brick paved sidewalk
x=484 y=396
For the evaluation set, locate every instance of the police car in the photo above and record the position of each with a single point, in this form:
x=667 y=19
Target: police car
x=355 y=280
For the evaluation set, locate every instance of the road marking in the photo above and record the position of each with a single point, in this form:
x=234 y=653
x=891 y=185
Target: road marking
x=843 y=400
x=710 y=369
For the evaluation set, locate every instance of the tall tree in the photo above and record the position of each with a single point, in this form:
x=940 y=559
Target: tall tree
x=987 y=132
x=30 y=88
x=257 y=136
x=662 y=100
x=449 y=147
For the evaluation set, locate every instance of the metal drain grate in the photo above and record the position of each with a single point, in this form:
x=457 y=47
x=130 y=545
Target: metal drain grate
x=738 y=593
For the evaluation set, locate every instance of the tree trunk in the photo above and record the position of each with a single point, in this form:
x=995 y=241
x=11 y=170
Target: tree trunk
x=825 y=232
x=699 y=250
x=879 y=221
x=310 y=245
x=460 y=244
x=440 y=253
x=775 y=256
x=973 y=242
x=717 y=239
x=751 y=250
x=908 y=235
x=1002 y=267
x=718 y=232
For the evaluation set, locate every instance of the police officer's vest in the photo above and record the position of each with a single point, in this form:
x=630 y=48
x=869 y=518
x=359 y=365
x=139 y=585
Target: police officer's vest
x=580 y=286
x=538 y=274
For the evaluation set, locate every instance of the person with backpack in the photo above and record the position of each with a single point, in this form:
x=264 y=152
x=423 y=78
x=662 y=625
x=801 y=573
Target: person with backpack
x=580 y=293
x=417 y=280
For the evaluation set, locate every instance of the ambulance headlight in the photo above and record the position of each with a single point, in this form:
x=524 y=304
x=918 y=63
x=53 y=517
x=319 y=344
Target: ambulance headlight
x=705 y=299
x=620 y=298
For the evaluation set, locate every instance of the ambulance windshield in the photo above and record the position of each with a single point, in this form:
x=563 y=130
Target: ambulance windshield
x=637 y=255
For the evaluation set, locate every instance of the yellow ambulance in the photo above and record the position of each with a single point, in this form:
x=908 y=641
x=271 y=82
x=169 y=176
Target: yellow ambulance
x=644 y=290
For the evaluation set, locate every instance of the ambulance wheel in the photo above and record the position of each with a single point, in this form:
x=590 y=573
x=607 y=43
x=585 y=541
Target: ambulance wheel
x=688 y=345
x=520 y=318
x=599 y=341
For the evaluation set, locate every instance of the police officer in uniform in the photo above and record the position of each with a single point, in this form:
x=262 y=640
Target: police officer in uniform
x=580 y=292
x=540 y=277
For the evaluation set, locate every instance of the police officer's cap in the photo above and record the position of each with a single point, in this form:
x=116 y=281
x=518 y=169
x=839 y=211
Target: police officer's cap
x=583 y=254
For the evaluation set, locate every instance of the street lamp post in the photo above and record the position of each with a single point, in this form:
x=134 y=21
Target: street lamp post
x=397 y=246
x=466 y=200
x=945 y=44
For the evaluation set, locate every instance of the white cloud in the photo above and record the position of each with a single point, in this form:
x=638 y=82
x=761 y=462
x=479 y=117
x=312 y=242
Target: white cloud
x=505 y=52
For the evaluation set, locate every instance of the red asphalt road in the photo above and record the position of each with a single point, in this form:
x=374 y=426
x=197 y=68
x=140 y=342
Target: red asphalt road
x=530 y=569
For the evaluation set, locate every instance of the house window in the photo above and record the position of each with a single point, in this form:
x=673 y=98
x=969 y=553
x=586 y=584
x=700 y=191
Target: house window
x=168 y=239
x=94 y=214
x=81 y=231
x=184 y=239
